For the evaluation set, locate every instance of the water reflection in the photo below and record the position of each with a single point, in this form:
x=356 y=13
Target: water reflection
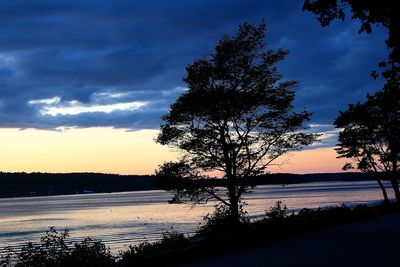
x=128 y=217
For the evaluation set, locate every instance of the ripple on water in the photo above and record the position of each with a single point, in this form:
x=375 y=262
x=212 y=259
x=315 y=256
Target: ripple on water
x=125 y=218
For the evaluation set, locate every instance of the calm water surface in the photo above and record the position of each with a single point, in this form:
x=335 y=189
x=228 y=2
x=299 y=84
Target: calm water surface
x=124 y=218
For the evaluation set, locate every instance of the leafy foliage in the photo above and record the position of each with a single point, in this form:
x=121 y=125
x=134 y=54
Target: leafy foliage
x=278 y=211
x=164 y=252
x=91 y=252
x=220 y=219
x=55 y=250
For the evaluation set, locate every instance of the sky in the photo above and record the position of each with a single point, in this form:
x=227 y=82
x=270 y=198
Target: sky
x=83 y=84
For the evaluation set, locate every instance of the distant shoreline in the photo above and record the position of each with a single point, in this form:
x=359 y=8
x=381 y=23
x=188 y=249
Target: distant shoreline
x=48 y=184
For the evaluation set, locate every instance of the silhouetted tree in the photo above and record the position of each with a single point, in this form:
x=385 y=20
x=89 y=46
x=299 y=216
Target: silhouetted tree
x=357 y=141
x=235 y=118
x=368 y=12
x=370 y=134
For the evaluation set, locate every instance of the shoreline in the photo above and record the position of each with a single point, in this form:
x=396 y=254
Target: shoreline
x=42 y=185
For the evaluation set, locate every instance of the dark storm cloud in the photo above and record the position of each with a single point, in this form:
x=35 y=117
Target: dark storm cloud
x=96 y=53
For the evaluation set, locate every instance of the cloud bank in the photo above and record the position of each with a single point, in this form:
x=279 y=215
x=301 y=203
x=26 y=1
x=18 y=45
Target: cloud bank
x=120 y=63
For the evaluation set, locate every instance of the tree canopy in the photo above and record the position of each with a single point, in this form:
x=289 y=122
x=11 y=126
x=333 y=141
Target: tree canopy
x=235 y=119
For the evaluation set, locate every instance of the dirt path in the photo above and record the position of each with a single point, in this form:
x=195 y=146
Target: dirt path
x=374 y=242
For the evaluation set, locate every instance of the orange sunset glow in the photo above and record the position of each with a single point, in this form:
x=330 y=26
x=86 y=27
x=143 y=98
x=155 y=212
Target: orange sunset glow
x=118 y=151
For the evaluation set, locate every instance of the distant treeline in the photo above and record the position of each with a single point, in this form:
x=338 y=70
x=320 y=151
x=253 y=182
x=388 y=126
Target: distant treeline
x=41 y=184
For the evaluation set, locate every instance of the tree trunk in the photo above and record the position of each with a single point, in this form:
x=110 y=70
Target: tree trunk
x=234 y=205
x=393 y=179
x=377 y=177
x=385 y=196
x=234 y=208
x=395 y=185
x=231 y=179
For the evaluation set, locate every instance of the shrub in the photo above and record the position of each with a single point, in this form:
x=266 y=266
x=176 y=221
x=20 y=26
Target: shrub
x=90 y=252
x=220 y=219
x=54 y=249
x=6 y=256
x=278 y=211
x=163 y=252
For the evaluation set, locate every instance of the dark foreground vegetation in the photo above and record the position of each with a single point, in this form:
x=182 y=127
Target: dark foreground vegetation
x=218 y=236
x=42 y=184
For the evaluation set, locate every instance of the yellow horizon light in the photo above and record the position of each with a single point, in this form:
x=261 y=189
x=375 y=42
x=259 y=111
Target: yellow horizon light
x=109 y=150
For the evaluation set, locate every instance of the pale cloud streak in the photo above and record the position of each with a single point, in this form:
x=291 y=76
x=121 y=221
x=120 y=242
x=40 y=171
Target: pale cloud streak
x=76 y=108
x=55 y=107
x=328 y=135
x=46 y=101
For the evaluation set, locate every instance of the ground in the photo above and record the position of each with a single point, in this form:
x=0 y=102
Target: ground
x=373 y=242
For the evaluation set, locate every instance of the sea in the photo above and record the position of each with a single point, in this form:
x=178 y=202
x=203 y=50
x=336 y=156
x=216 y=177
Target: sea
x=126 y=218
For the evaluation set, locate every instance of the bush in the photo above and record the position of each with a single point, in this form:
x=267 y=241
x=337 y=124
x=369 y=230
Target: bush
x=6 y=256
x=277 y=211
x=90 y=253
x=52 y=250
x=221 y=220
x=55 y=250
x=164 y=252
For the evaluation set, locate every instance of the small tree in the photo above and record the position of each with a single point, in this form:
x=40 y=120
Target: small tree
x=370 y=134
x=359 y=142
x=235 y=118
